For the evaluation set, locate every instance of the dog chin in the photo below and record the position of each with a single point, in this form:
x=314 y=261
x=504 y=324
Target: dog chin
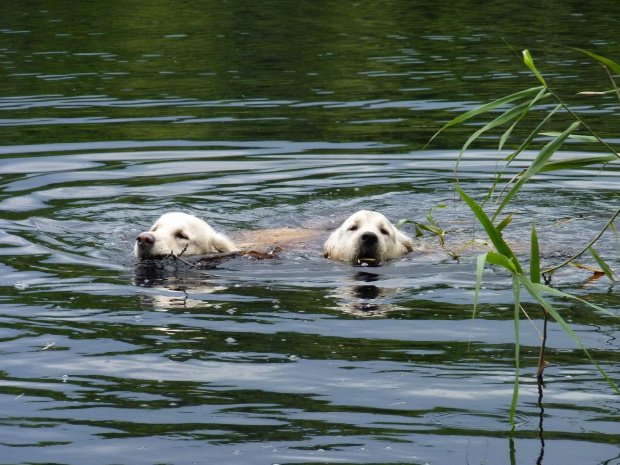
x=147 y=253
x=141 y=255
x=368 y=255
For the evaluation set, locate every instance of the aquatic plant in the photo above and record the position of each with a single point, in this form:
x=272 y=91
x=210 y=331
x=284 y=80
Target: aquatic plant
x=519 y=105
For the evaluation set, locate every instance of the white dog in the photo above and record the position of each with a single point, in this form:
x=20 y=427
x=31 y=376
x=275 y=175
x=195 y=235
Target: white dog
x=180 y=233
x=367 y=235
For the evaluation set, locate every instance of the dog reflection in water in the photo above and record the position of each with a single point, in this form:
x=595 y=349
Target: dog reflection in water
x=367 y=299
x=171 y=285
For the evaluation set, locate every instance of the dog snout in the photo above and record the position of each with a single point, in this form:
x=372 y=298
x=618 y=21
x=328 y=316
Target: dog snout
x=369 y=238
x=145 y=239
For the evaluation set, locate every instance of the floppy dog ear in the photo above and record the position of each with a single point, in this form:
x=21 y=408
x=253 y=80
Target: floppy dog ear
x=409 y=245
x=405 y=241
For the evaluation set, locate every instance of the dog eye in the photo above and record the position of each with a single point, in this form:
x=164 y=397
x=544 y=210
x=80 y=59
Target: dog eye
x=353 y=228
x=385 y=232
x=180 y=235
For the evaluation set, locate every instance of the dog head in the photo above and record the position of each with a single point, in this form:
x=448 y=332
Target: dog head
x=367 y=235
x=180 y=233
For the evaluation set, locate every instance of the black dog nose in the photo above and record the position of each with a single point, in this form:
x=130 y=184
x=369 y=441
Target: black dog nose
x=145 y=239
x=369 y=238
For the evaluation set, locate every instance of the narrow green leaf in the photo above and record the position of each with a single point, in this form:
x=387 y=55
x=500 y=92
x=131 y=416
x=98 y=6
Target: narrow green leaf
x=430 y=228
x=506 y=221
x=541 y=95
x=534 y=257
x=551 y=290
x=479 y=269
x=515 y=393
x=543 y=157
x=481 y=242
x=501 y=260
x=429 y=217
x=606 y=61
x=582 y=138
x=533 y=291
x=526 y=143
x=577 y=163
x=485 y=108
x=527 y=58
x=420 y=226
x=492 y=232
x=402 y=222
x=506 y=135
x=492 y=189
x=602 y=264
x=492 y=105
x=503 y=118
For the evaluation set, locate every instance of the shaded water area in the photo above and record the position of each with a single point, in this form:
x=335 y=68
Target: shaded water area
x=258 y=115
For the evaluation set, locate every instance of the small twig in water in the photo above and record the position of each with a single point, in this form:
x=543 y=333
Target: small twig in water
x=590 y=244
x=530 y=320
x=178 y=257
x=270 y=253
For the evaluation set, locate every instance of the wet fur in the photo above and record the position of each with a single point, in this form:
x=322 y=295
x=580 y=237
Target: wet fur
x=367 y=235
x=179 y=233
x=183 y=234
x=288 y=238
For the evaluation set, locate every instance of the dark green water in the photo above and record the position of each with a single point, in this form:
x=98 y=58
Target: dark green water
x=273 y=114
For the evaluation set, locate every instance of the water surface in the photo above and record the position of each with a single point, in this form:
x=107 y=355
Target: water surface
x=258 y=116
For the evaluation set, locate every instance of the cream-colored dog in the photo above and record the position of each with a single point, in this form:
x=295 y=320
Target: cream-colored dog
x=180 y=234
x=367 y=235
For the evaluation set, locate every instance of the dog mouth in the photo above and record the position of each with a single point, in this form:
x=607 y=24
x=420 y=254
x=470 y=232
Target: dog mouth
x=146 y=254
x=368 y=251
x=367 y=258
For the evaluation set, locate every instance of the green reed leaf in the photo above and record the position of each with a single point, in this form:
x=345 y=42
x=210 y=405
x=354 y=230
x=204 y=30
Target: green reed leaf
x=602 y=264
x=541 y=95
x=551 y=290
x=479 y=269
x=429 y=217
x=527 y=58
x=534 y=257
x=579 y=137
x=509 y=115
x=486 y=108
x=543 y=157
x=403 y=221
x=533 y=290
x=506 y=221
x=526 y=143
x=516 y=287
x=495 y=235
x=606 y=61
x=501 y=260
x=577 y=163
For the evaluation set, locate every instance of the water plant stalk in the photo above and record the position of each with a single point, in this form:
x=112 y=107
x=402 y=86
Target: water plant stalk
x=501 y=254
